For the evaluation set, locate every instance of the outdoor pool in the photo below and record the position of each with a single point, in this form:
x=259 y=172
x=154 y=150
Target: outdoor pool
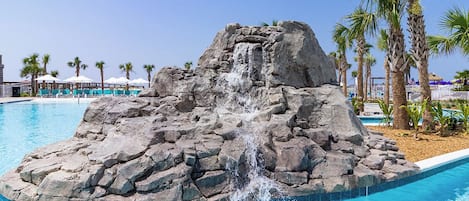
x=452 y=184
x=26 y=126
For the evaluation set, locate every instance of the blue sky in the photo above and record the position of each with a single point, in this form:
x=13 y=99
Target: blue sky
x=169 y=32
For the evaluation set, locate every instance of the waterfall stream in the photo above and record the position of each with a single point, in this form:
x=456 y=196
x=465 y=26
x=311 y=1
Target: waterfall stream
x=238 y=84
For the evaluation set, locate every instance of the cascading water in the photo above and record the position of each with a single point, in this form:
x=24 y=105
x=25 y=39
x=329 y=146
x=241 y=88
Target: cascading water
x=239 y=82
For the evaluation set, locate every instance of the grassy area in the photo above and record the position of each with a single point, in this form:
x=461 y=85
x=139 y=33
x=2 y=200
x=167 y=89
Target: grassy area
x=429 y=145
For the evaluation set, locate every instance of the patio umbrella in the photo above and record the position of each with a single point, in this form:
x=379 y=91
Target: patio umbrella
x=122 y=80
x=138 y=81
x=79 y=79
x=111 y=80
x=47 y=78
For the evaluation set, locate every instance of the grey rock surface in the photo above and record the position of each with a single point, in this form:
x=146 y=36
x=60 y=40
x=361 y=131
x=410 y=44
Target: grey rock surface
x=260 y=110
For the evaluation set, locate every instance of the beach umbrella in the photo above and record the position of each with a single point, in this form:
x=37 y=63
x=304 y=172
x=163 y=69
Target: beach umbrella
x=47 y=78
x=122 y=80
x=111 y=80
x=434 y=77
x=138 y=81
x=79 y=79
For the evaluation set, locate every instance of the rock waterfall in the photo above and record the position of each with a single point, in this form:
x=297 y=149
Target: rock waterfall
x=260 y=117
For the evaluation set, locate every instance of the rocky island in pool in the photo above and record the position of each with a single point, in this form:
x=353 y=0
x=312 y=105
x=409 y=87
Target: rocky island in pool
x=260 y=117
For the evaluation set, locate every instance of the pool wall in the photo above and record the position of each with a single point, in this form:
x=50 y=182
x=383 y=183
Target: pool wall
x=428 y=168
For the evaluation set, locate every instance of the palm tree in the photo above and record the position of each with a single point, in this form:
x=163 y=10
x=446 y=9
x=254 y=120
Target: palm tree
x=370 y=61
x=100 y=66
x=462 y=75
x=32 y=69
x=419 y=52
x=383 y=46
x=188 y=65
x=76 y=63
x=361 y=23
x=149 y=68
x=45 y=61
x=456 y=23
x=127 y=68
x=391 y=12
x=343 y=42
x=54 y=73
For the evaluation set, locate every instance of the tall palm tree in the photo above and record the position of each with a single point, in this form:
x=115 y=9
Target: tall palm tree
x=31 y=69
x=343 y=42
x=361 y=23
x=45 y=61
x=127 y=68
x=383 y=46
x=392 y=11
x=370 y=61
x=456 y=22
x=100 y=66
x=54 y=73
x=76 y=63
x=148 y=68
x=420 y=52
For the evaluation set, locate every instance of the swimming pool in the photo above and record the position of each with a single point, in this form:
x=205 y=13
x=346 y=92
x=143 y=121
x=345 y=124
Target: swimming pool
x=452 y=184
x=28 y=125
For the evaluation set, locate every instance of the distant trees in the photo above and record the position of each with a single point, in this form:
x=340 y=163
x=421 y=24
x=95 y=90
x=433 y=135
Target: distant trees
x=361 y=23
x=31 y=69
x=76 y=63
x=100 y=66
x=127 y=68
x=45 y=61
x=148 y=68
x=343 y=42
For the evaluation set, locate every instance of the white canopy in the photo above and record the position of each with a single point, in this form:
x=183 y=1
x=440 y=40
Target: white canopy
x=113 y=80
x=79 y=79
x=139 y=81
x=47 y=78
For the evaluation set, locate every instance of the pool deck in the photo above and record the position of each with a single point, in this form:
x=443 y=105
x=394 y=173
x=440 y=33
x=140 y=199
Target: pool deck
x=14 y=99
x=438 y=161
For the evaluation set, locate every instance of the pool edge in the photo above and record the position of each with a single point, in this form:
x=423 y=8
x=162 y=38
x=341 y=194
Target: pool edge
x=441 y=160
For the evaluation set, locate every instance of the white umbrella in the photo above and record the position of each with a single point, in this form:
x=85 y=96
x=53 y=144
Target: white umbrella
x=79 y=79
x=122 y=80
x=47 y=78
x=111 y=80
x=139 y=81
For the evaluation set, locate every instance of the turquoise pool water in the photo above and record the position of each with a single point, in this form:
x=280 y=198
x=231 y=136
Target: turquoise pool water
x=449 y=185
x=27 y=126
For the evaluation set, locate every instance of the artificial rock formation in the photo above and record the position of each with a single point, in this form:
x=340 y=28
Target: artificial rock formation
x=259 y=117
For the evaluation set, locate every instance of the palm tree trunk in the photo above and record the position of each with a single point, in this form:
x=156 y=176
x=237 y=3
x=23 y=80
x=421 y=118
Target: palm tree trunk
x=365 y=91
x=360 y=49
x=343 y=68
x=344 y=81
x=149 y=79
x=397 y=65
x=386 y=80
x=420 y=52
x=102 y=80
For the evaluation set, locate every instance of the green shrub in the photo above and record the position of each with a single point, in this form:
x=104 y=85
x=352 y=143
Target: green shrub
x=387 y=112
x=415 y=112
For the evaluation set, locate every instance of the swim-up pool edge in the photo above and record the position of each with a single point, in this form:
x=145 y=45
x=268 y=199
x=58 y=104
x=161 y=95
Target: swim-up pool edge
x=441 y=160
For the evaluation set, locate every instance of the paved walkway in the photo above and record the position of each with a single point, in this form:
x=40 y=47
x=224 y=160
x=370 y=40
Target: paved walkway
x=14 y=99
